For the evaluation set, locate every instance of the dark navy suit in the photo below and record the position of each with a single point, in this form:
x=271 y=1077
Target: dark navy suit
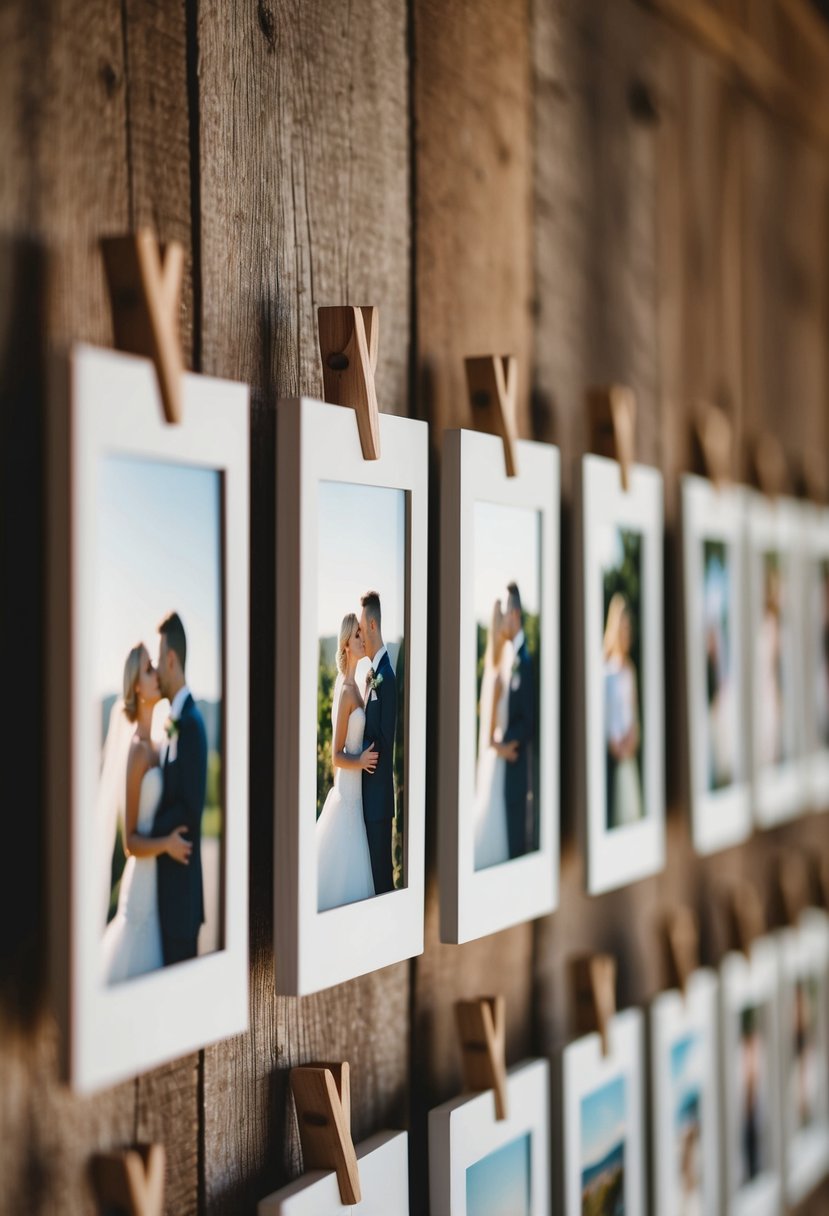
x=378 y=787
x=518 y=780
x=180 y=890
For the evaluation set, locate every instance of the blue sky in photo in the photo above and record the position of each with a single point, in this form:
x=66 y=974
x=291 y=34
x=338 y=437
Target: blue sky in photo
x=603 y=1120
x=159 y=550
x=507 y=544
x=686 y=1067
x=499 y=1184
x=362 y=547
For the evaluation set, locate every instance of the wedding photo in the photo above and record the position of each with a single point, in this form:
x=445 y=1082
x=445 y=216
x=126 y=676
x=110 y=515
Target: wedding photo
x=772 y=735
x=157 y=690
x=687 y=1080
x=752 y=1063
x=507 y=583
x=805 y=1083
x=721 y=693
x=622 y=676
x=361 y=626
x=603 y=1142
x=500 y=1184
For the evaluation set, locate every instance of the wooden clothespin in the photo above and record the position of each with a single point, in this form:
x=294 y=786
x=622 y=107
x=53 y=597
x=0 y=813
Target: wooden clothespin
x=145 y=293
x=322 y=1094
x=348 y=347
x=817 y=862
x=769 y=465
x=482 y=1030
x=492 y=381
x=594 y=991
x=131 y=1180
x=682 y=940
x=613 y=425
x=748 y=920
x=792 y=884
x=714 y=439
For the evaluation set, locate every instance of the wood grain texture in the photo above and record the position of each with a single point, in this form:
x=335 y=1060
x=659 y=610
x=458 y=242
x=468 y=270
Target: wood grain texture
x=473 y=183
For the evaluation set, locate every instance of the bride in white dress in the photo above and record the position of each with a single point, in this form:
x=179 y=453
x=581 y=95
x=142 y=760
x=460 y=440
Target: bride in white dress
x=343 y=859
x=132 y=939
x=621 y=715
x=491 y=844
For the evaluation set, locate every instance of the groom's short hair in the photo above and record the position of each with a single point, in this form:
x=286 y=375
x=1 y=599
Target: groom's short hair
x=371 y=602
x=172 y=629
x=513 y=598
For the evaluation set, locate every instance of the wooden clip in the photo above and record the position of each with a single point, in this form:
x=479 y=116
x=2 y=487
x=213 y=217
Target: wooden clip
x=348 y=347
x=613 y=425
x=482 y=1030
x=145 y=293
x=748 y=920
x=131 y=1180
x=769 y=465
x=492 y=381
x=714 y=440
x=594 y=991
x=682 y=940
x=817 y=862
x=792 y=884
x=322 y=1094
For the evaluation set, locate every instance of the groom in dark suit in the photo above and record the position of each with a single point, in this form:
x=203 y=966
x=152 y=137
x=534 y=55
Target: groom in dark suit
x=184 y=768
x=519 y=737
x=381 y=723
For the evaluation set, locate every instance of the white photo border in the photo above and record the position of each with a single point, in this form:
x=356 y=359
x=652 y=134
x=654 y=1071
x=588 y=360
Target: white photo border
x=476 y=903
x=584 y=1070
x=622 y=855
x=317 y=442
x=672 y=1016
x=465 y=1130
x=815 y=548
x=383 y=1162
x=108 y=403
x=719 y=818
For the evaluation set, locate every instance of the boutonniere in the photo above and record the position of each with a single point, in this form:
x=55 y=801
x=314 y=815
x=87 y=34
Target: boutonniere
x=375 y=681
x=516 y=665
x=171 y=727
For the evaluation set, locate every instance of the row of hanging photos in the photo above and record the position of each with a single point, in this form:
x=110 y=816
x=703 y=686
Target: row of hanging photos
x=504 y=1138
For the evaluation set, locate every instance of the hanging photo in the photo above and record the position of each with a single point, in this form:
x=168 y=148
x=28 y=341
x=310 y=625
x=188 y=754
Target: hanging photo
x=713 y=529
x=383 y=1162
x=684 y=1056
x=814 y=652
x=750 y=1081
x=603 y=1150
x=620 y=615
x=351 y=695
x=148 y=714
x=773 y=587
x=483 y=1166
x=498 y=856
x=804 y=1020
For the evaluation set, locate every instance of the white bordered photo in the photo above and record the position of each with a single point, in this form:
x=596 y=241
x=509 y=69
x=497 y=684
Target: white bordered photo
x=383 y=1162
x=684 y=1063
x=620 y=615
x=350 y=695
x=148 y=715
x=498 y=855
x=804 y=1056
x=774 y=530
x=602 y=1121
x=483 y=1166
x=750 y=1082
x=713 y=556
x=814 y=652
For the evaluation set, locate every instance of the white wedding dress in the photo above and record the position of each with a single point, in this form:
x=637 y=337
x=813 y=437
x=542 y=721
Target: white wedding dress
x=132 y=940
x=625 y=797
x=343 y=859
x=491 y=842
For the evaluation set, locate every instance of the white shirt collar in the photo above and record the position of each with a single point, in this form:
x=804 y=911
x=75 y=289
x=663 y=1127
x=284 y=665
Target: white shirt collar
x=375 y=662
x=177 y=704
x=518 y=641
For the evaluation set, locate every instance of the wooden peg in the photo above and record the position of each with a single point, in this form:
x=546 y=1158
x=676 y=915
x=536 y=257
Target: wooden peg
x=145 y=293
x=348 y=347
x=131 y=1180
x=682 y=939
x=817 y=862
x=613 y=425
x=748 y=920
x=792 y=884
x=770 y=468
x=492 y=381
x=322 y=1094
x=482 y=1030
x=594 y=990
x=714 y=438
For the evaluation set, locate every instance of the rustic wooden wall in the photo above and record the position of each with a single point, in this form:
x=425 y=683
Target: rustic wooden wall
x=606 y=188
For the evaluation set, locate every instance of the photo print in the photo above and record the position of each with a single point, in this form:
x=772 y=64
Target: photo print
x=360 y=810
x=721 y=693
x=383 y=1162
x=500 y=1184
x=623 y=616
x=603 y=1137
x=687 y=1082
x=773 y=650
x=813 y=652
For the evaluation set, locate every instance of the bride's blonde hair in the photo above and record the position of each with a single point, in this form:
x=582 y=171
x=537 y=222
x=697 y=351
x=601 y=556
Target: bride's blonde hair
x=132 y=670
x=617 y=610
x=495 y=641
x=347 y=629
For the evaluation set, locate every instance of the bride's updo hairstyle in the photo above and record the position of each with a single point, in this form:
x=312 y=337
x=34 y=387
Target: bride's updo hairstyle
x=495 y=644
x=132 y=671
x=347 y=628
